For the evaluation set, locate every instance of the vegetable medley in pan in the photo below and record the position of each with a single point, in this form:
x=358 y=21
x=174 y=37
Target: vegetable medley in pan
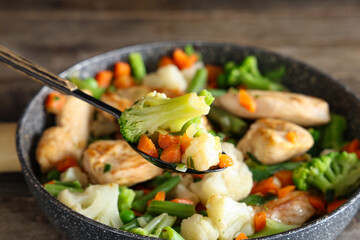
x=285 y=157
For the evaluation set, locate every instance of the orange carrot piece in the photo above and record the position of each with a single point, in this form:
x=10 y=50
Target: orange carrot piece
x=184 y=142
x=165 y=60
x=66 y=163
x=241 y=236
x=147 y=146
x=198 y=176
x=122 y=69
x=285 y=177
x=247 y=101
x=124 y=81
x=104 y=78
x=138 y=214
x=225 y=161
x=259 y=221
x=317 y=203
x=334 y=205
x=265 y=186
x=283 y=192
x=55 y=102
x=166 y=140
x=182 y=60
x=160 y=196
x=292 y=136
x=183 y=201
x=171 y=154
x=353 y=146
x=213 y=73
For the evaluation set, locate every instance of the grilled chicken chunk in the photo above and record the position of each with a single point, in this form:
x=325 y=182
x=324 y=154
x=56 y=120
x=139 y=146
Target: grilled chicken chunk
x=68 y=138
x=300 y=109
x=127 y=167
x=267 y=140
x=293 y=209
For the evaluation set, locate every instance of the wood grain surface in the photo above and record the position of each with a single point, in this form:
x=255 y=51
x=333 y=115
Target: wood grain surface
x=57 y=34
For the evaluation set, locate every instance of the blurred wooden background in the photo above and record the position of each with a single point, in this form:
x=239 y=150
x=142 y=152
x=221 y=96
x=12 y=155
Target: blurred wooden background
x=57 y=34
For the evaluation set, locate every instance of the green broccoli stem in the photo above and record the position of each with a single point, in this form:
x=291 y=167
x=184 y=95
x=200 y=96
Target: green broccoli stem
x=137 y=66
x=174 y=209
x=153 y=113
x=209 y=98
x=254 y=82
x=126 y=198
x=135 y=223
x=334 y=133
x=227 y=122
x=273 y=227
x=56 y=187
x=140 y=204
x=171 y=234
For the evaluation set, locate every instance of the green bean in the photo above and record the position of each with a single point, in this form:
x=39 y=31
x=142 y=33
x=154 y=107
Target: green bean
x=227 y=122
x=135 y=223
x=137 y=66
x=199 y=81
x=174 y=209
x=154 y=222
x=56 y=187
x=140 y=204
x=167 y=221
x=217 y=92
x=171 y=234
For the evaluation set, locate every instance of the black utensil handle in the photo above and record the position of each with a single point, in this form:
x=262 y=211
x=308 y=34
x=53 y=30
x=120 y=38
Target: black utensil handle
x=35 y=71
x=38 y=73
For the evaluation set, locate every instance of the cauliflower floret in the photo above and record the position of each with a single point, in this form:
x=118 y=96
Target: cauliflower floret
x=204 y=151
x=190 y=72
x=234 y=182
x=98 y=202
x=198 y=227
x=230 y=217
x=74 y=173
x=168 y=76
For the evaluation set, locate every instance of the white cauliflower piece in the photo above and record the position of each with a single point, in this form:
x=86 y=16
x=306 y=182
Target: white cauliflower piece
x=234 y=182
x=190 y=72
x=230 y=217
x=75 y=173
x=168 y=77
x=198 y=227
x=204 y=152
x=98 y=202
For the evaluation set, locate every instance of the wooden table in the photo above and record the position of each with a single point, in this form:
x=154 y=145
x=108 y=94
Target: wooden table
x=57 y=34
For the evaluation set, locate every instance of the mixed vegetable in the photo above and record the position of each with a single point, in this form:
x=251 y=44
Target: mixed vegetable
x=286 y=158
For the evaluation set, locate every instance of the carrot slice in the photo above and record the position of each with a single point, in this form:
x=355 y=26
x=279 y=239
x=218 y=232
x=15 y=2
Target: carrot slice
x=285 y=177
x=171 y=154
x=353 y=146
x=213 y=73
x=225 y=161
x=241 y=236
x=283 y=192
x=334 y=205
x=182 y=60
x=198 y=176
x=184 y=142
x=104 y=78
x=66 y=163
x=166 y=140
x=247 y=101
x=317 y=203
x=55 y=102
x=160 y=196
x=122 y=69
x=165 y=60
x=124 y=81
x=292 y=136
x=259 y=221
x=265 y=186
x=138 y=214
x=183 y=201
x=147 y=146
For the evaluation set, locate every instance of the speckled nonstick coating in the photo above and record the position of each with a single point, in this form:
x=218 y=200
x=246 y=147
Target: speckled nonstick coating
x=299 y=78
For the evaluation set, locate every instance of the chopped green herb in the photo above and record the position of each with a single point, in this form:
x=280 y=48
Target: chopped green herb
x=107 y=167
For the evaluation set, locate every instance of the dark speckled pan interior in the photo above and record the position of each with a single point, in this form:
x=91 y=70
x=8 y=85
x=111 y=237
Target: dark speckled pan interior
x=299 y=78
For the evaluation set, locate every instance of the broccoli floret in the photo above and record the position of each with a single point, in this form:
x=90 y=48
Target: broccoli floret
x=156 y=112
x=335 y=174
